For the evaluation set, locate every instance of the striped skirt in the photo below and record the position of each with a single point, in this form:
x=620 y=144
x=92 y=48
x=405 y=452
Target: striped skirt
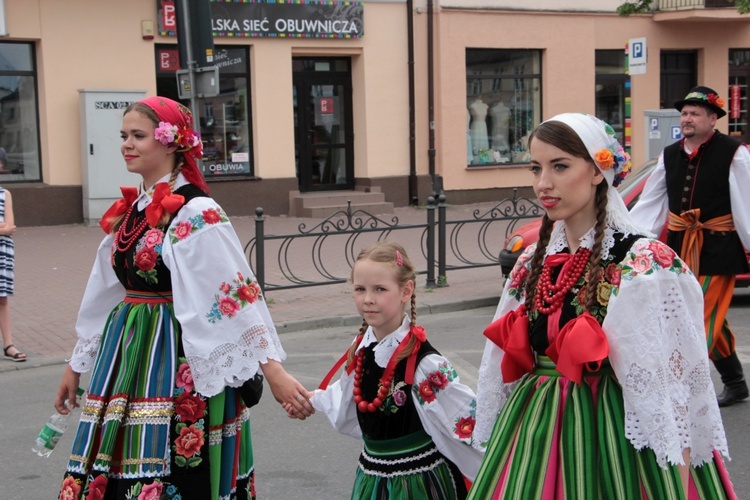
x=555 y=439
x=144 y=430
x=407 y=468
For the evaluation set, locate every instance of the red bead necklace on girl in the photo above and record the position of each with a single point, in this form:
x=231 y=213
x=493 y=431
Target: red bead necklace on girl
x=124 y=238
x=553 y=294
x=385 y=381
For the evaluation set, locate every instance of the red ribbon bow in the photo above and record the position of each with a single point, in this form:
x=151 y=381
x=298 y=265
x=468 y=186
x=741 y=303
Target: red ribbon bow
x=163 y=199
x=418 y=332
x=510 y=332
x=581 y=342
x=129 y=194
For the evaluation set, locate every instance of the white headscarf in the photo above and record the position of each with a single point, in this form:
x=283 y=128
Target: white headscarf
x=610 y=158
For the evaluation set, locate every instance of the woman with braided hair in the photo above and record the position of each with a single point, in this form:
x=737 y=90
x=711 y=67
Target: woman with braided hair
x=398 y=394
x=594 y=382
x=174 y=328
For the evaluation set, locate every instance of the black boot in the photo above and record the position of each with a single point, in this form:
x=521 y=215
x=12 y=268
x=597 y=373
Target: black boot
x=735 y=388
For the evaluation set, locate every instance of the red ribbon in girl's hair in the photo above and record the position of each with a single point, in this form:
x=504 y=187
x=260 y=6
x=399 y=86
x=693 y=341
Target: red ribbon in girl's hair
x=163 y=200
x=411 y=363
x=510 y=332
x=119 y=207
x=581 y=343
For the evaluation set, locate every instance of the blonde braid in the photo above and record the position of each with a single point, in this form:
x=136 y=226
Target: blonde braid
x=536 y=261
x=596 y=252
x=353 y=348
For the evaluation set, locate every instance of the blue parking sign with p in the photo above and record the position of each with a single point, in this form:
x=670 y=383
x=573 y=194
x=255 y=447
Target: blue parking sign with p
x=638 y=49
x=675 y=132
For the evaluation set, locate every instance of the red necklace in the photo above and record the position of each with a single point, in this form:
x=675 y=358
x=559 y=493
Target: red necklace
x=125 y=239
x=385 y=384
x=552 y=294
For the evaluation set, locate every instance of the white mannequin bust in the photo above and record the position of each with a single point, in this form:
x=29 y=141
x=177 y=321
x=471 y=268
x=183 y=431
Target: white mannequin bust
x=479 y=139
x=500 y=116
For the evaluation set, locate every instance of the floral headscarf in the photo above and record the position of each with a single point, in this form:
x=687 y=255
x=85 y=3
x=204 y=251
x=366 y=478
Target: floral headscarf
x=176 y=128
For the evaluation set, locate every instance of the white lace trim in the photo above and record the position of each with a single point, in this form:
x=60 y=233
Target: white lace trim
x=385 y=348
x=84 y=353
x=230 y=364
x=558 y=240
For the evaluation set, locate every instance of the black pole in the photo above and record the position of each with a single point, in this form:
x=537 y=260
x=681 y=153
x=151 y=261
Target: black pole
x=431 y=242
x=260 y=254
x=431 y=96
x=442 y=273
x=413 y=188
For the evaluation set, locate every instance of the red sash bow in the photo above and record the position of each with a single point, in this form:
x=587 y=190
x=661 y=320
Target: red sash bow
x=163 y=200
x=581 y=342
x=510 y=332
x=129 y=194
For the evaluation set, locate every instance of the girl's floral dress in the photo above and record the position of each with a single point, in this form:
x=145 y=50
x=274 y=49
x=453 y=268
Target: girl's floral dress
x=168 y=327
x=418 y=444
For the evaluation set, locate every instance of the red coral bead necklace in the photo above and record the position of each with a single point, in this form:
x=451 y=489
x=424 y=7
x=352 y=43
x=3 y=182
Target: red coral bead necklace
x=553 y=294
x=125 y=239
x=385 y=384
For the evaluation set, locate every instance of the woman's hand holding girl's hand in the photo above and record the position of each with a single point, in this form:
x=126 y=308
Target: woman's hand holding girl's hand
x=287 y=391
x=67 y=391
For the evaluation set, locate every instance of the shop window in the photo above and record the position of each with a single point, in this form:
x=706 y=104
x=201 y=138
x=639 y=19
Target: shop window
x=503 y=104
x=678 y=74
x=19 y=116
x=225 y=124
x=612 y=90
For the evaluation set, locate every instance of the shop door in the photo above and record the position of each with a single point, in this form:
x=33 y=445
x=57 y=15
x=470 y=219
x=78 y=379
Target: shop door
x=737 y=96
x=324 y=138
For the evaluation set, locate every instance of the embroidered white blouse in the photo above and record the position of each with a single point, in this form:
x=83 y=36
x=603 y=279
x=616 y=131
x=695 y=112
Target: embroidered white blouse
x=654 y=326
x=224 y=344
x=448 y=418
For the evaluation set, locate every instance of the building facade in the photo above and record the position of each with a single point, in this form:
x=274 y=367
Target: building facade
x=403 y=97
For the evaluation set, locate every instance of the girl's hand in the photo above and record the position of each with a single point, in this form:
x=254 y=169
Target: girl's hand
x=286 y=389
x=67 y=391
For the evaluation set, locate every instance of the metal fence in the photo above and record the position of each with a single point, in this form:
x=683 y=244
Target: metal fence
x=325 y=253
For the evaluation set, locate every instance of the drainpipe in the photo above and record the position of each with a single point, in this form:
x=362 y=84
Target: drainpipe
x=413 y=190
x=431 y=98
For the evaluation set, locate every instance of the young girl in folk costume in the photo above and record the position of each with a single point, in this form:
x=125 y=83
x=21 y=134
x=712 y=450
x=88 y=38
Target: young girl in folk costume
x=172 y=324
x=594 y=382
x=398 y=394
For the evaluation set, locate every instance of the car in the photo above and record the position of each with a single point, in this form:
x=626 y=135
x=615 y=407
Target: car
x=630 y=190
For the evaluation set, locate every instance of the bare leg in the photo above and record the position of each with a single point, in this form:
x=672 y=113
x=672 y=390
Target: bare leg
x=5 y=326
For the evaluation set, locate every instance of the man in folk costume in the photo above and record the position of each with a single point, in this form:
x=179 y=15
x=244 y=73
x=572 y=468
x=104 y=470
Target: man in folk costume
x=698 y=187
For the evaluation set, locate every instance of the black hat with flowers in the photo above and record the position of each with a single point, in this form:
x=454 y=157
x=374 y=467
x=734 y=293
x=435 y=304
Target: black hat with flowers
x=703 y=96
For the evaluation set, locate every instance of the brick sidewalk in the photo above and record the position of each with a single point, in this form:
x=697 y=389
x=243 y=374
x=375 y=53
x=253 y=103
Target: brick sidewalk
x=53 y=265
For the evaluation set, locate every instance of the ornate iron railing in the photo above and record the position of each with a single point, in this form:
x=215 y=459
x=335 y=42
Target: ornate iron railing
x=331 y=245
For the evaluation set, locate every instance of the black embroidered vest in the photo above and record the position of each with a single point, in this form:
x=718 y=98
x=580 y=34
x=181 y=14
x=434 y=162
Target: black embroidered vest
x=703 y=182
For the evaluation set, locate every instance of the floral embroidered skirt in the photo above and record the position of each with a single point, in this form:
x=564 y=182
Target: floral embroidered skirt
x=558 y=440
x=407 y=468
x=144 y=432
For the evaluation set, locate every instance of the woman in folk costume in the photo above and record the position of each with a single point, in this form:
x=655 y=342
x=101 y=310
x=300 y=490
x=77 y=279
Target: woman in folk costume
x=594 y=382
x=172 y=325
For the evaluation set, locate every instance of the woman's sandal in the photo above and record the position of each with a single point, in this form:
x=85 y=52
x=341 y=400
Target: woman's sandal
x=18 y=357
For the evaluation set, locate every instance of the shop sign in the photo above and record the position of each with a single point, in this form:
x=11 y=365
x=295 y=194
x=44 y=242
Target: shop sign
x=734 y=102
x=260 y=18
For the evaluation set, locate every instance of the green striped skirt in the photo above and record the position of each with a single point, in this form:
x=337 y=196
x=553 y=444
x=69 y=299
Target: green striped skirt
x=555 y=439
x=144 y=430
x=406 y=468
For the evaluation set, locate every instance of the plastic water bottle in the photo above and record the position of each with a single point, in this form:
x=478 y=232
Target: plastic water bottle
x=45 y=442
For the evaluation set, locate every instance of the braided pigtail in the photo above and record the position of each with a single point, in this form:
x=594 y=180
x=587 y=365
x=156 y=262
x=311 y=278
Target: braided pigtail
x=536 y=261
x=353 y=348
x=595 y=260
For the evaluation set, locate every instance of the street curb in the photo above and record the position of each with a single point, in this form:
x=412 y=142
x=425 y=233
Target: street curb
x=292 y=326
